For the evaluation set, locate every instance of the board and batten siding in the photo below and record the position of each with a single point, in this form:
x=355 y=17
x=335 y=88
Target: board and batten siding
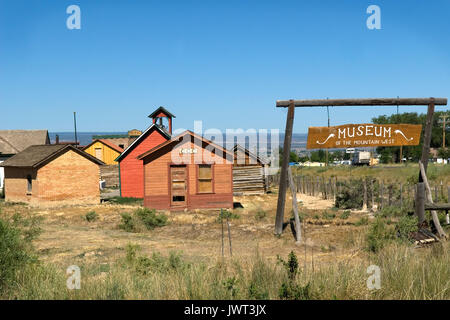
x=108 y=154
x=157 y=180
x=132 y=170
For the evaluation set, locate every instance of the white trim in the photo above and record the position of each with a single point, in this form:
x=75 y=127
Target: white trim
x=140 y=137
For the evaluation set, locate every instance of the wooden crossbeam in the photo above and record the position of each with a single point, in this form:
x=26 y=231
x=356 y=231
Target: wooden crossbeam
x=363 y=102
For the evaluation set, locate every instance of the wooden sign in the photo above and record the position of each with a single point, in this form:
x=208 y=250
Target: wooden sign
x=363 y=135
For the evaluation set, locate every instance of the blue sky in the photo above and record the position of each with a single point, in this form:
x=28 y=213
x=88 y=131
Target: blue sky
x=223 y=62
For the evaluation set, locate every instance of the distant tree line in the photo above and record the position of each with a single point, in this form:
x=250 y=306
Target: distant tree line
x=388 y=154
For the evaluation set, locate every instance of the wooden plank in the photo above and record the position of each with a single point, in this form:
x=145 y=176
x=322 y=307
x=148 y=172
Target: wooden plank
x=294 y=206
x=284 y=170
x=363 y=102
x=427 y=139
x=429 y=199
x=437 y=206
x=363 y=135
x=420 y=202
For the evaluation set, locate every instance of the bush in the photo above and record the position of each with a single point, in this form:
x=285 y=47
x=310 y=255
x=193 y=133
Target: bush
x=328 y=216
x=15 y=253
x=126 y=200
x=405 y=226
x=127 y=223
x=142 y=218
x=350 y=196
x=344 y=215
x=363 y=221
x=225 y=214
x=91 y=216
x=150 y=219
x=379 y=235
x=260 y=214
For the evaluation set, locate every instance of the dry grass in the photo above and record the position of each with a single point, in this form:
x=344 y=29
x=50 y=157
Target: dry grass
x=332 y=258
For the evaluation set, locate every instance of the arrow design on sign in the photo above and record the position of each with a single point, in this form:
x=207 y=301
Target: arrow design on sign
x=330 y=136
x=400 y=132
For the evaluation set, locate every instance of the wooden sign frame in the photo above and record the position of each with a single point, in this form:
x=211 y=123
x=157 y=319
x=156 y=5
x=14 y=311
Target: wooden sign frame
x=292 y=104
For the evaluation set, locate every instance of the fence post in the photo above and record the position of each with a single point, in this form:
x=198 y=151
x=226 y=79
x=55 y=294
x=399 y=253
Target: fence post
x=365 y=194
x=420 y=202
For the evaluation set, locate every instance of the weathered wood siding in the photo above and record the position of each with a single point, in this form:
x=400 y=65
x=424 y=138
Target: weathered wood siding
x=248 y=180
x=132 y=170
x=157 y=181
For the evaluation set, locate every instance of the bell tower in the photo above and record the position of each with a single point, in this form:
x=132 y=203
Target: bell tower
x=162 y=118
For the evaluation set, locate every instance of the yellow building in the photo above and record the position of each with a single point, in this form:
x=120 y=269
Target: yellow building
x=104 y=151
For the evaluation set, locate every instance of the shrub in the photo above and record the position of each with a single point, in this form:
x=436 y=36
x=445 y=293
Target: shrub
x=126 y=200
x=128 y=223
x=224 y=214
x=150 y=219
x=327 y=215
x=291 y=265
x=15 y=253
x=362 y=221
x=293 y=291
x=344 y=215
x=405 y=226
x=350 y=196
x=91 y=216
x=260 y=214
x=142 y=218
x=379 y=235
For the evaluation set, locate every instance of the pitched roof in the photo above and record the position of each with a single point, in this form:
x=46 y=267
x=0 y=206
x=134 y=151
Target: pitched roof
x=36 y=156
x=107 y=143
x=141 y=137
x=178 y=138
x=250 y=154
x=163 y=110
x=14 y=141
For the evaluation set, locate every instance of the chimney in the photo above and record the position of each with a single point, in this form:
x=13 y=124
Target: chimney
x=57 y=139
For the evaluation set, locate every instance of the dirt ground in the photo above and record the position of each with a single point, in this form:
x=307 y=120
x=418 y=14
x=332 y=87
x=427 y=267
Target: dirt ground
x=67 y=238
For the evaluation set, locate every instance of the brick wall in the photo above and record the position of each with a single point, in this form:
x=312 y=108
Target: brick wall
x=16 y=185
x=69 y=179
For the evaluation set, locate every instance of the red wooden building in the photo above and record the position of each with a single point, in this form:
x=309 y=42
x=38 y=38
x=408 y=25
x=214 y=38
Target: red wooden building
x=187 y=171
x=131 y=170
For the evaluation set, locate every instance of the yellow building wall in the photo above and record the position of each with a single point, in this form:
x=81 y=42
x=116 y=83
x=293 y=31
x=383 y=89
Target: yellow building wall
x=108 y=154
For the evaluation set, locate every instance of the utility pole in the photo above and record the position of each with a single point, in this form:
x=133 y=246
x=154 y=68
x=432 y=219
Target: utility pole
x=444 y=124
x=75 y=127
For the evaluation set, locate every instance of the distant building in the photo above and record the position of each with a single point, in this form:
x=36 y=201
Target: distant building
x=15 y=141
x=52 y=175
x=104 y=151
x=123 y=141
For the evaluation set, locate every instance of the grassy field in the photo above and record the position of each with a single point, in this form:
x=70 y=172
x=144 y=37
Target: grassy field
x=183 y=260
x=398 y=173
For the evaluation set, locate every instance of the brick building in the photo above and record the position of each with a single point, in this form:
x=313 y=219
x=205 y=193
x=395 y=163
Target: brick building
x=52 y=175
x=14 y=141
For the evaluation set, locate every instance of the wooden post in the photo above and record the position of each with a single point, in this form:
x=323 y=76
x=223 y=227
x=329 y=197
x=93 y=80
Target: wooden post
x=429 y=199
x=427 y=138
x=448 y=194
x=390 y=195
x=229 y=236
x=381 y=196
x=284 y=169
x=294 y=207
x=401 y=195
x=420 y=202
x=436 y=196
x=221 y=220
x=365 y=195
x=372 y=194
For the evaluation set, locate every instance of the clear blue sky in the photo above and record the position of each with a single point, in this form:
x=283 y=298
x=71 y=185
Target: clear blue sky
x=225 y=62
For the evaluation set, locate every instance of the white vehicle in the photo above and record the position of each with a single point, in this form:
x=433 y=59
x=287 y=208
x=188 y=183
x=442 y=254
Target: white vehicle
x=361 y=158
